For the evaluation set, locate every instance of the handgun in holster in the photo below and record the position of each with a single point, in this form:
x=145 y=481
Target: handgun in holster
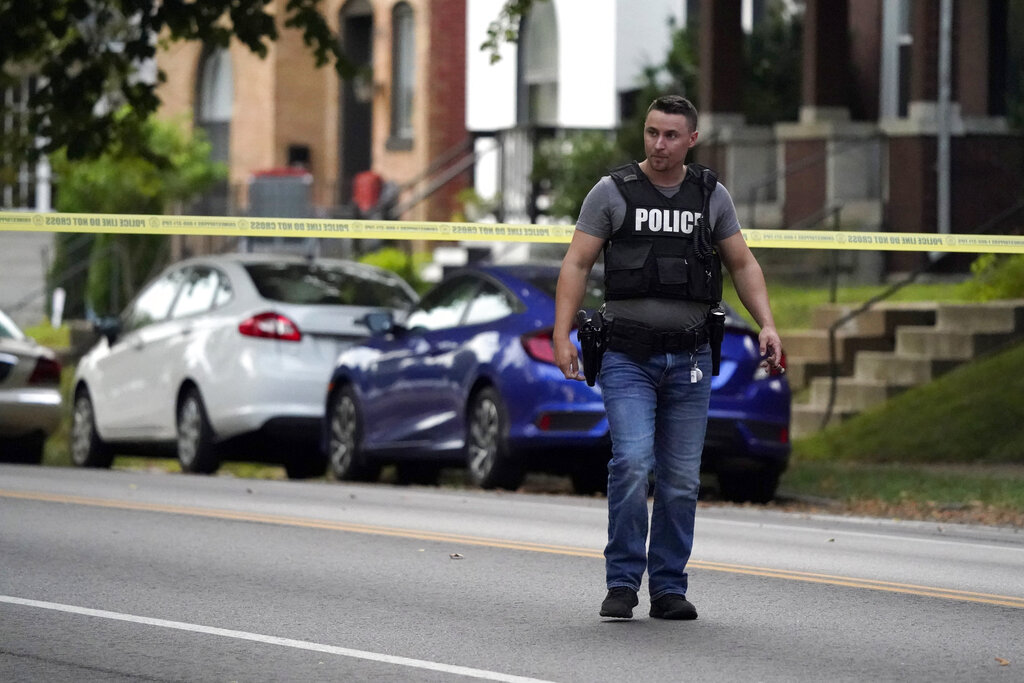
x=591 y=336
x=716 y=332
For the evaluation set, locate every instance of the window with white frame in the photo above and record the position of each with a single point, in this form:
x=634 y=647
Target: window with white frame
x=403 y=72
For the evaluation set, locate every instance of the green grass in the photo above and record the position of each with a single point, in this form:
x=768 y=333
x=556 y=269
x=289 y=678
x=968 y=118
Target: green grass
x=793 y=305
x=47 y=335
x=954 y=444
x=973 y=414
x=1001 y=487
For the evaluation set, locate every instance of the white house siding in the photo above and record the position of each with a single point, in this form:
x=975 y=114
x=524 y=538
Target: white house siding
x=643 y=37
x=587 y=56
x=603 y=48
x=490 y=88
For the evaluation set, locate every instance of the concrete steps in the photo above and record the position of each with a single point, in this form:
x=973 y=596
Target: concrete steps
x=874 y=330
x=914 y=344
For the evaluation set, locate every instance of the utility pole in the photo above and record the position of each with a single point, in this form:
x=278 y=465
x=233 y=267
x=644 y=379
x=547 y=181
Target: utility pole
x=944 y=123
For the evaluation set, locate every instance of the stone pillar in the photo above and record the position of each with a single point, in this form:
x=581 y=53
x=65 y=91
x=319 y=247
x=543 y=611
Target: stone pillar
x=826 y=60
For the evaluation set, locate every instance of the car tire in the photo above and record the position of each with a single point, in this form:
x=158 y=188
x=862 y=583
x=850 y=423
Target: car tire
x=27 y=450
x=345 y=460
x=306 y=464
x=749 y=486
x=417 y=473
x=87 y=448
x=197 y=452
x=489 y=461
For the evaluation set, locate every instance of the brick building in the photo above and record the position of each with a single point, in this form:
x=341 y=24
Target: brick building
x=402 y=117
x=867 y=136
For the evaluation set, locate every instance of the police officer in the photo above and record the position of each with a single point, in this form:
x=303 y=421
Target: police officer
x=663 y=259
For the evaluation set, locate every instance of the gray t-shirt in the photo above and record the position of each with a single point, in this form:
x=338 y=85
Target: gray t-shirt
x=603 y=212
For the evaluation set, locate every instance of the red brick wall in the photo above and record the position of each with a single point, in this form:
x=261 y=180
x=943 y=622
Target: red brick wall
x=986 y=176
x=447 y=96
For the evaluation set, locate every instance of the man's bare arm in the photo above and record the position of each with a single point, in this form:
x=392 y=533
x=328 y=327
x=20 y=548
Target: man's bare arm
x=748 y=279
x=572 y=282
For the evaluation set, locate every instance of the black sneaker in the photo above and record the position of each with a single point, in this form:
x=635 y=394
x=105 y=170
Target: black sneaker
x=673 y=606
x=619 y=603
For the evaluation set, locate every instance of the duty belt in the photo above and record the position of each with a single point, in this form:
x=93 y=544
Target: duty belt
x=629 y=336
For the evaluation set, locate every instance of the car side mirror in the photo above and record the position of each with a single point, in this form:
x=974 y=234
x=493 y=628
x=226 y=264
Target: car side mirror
x=109 y=328
x=379 y=322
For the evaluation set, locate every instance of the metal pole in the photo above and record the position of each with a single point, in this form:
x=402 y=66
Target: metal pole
x=945 y=62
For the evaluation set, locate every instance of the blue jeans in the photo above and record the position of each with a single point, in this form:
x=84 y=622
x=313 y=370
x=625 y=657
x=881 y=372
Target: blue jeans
x=657 y=419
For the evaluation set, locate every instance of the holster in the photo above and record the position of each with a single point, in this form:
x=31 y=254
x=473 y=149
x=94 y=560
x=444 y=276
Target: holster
x=716 y=332
x=592 y=342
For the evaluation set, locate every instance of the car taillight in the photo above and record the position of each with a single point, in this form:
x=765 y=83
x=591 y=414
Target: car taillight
x=270 y=326
x=539 y=346
x=46 y=372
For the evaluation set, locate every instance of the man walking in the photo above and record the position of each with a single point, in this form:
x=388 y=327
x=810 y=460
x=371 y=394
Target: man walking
x=665 y=228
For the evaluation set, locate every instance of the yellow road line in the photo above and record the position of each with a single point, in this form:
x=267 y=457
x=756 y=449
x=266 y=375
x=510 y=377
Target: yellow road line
x=574 y=551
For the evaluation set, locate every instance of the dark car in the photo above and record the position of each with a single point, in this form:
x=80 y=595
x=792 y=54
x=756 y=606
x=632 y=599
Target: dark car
x=469 y=379
x=30 y=399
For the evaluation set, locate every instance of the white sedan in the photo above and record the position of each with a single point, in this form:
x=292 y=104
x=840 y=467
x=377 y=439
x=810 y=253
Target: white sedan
x=30 y=403
x=226 y=357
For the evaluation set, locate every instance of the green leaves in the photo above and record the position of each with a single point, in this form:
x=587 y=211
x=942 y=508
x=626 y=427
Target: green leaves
x=505 y=28
x=86 y=56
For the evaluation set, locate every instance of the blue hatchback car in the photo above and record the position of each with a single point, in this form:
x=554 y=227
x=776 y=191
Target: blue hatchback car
x=469 y=379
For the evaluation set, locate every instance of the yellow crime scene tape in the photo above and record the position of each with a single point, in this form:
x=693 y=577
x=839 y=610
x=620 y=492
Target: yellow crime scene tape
x=498 y=232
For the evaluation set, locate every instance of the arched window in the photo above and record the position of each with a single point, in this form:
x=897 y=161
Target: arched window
x=403 y=72
x=538 y=67
x=216 y=97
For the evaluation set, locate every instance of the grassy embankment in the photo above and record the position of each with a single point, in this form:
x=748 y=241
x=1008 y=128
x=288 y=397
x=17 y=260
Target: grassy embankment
x=951 y=449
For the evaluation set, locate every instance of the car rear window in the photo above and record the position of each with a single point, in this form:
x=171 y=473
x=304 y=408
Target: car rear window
x=315 y=284
x=593 y=296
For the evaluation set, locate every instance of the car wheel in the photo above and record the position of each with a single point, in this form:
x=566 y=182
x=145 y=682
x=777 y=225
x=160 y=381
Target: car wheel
x=345 y=461
x=489 y=461
x=87 y=449
x=306 y=464
x=197 y=452
x=28 y=450
x=755 y=486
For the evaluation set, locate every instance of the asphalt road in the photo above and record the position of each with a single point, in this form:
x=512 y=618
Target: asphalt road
x=111 y=576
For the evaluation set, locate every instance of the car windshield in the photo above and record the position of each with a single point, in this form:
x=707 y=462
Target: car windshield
x=8 y=330
x=318 y=284
x=593 y=296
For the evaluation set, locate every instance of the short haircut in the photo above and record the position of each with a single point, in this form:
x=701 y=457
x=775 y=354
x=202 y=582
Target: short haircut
x=676 y=104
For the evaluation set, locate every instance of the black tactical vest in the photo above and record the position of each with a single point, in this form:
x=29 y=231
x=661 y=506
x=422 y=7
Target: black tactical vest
x=663 y=248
